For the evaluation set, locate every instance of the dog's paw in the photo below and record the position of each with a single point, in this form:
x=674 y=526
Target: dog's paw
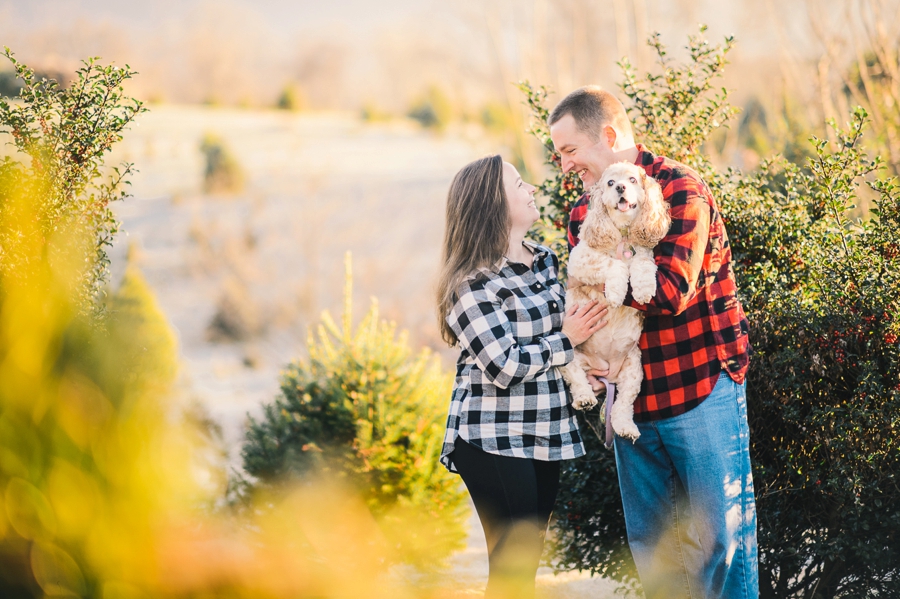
x=642 y=293
x=629 y=430
x=617 y=283
x=584 y=402
x=615 y=295
x=643 y=284
x=643 y=278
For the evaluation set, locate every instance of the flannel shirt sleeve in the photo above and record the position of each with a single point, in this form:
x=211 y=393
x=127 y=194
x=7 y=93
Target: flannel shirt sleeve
x=680 y=254
x=483 y=329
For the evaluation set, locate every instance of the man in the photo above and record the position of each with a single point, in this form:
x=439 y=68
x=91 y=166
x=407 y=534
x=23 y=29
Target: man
x=686 y=484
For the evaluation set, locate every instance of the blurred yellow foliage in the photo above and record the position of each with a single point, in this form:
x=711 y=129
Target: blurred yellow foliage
x=99 y=475
x=104 y=478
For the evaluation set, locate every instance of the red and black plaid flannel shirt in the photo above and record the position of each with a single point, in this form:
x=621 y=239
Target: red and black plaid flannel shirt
x=695 y=326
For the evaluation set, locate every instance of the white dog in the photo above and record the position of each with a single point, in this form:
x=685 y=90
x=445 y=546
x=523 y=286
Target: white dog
x=626 y=218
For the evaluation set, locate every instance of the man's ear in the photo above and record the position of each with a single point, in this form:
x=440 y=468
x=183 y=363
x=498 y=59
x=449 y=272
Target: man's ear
x=610 y=134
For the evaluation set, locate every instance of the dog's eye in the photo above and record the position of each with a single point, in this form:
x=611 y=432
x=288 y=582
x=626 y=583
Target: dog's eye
x=610 y=183
x=632 y=179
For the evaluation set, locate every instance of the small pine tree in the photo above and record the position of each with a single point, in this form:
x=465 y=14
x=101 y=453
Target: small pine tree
x=363 y=409
x=142 y=336
x=83 y=432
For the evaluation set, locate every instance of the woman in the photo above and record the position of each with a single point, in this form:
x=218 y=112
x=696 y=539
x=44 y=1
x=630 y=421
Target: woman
x=510 y=421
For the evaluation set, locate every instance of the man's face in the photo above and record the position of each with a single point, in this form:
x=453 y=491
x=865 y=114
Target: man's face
x=579 y=153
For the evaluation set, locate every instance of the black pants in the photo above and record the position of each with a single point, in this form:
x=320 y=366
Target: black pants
x=514 y=498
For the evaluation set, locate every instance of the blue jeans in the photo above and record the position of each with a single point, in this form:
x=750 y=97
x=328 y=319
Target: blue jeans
x=687 y=491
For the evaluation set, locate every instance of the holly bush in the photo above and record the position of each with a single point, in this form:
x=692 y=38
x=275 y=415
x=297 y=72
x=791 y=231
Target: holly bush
x=824 y=387
x=363 y=410
x=60 y=137
x=821 y=288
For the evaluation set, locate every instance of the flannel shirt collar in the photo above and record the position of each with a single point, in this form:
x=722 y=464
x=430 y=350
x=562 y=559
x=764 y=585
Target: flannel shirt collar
x=646 y=159
x=539 y=252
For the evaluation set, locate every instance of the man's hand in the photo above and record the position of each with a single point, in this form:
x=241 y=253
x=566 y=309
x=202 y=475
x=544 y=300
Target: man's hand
x=593 y=378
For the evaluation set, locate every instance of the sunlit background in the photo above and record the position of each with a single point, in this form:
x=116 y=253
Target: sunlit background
x=283 y=133
x=383 y=101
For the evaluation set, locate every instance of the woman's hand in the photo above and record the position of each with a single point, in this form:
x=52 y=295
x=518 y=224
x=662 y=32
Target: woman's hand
x=580 y=322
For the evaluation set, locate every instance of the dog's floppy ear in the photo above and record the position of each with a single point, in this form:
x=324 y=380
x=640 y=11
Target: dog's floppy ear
x=653 y=220
x=598 y=229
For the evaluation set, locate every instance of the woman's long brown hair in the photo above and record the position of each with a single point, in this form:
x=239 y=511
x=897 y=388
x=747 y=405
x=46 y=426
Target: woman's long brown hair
x=477 y=231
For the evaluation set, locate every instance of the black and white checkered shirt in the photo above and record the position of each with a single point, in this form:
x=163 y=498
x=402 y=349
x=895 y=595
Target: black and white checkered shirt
x=509 y=397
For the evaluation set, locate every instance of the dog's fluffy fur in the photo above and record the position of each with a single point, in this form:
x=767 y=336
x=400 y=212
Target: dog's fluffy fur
x=626 y=215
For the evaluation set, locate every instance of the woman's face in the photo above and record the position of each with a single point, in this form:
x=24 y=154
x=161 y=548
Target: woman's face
x=520 y=196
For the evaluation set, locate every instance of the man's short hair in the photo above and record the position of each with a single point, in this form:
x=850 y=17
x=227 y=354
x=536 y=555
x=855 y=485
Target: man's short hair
x=593 y=108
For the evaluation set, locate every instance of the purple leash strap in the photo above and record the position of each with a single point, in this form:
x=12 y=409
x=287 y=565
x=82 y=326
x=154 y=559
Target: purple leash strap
x=610 y=398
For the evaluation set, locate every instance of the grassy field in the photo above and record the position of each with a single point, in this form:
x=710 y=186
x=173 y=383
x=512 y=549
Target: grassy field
x=316 y=187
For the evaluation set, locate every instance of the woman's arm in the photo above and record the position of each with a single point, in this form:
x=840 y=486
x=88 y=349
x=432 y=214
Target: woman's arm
x=485 y=332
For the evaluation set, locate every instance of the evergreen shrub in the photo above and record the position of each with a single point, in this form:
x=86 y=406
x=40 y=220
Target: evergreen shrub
x=222 y=173
x=291 y=98
x=104 y=491
x=362 y=409
x=433 y=111
x=821 y=289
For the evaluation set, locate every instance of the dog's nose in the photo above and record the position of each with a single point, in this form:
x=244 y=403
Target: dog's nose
x=620 y=188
